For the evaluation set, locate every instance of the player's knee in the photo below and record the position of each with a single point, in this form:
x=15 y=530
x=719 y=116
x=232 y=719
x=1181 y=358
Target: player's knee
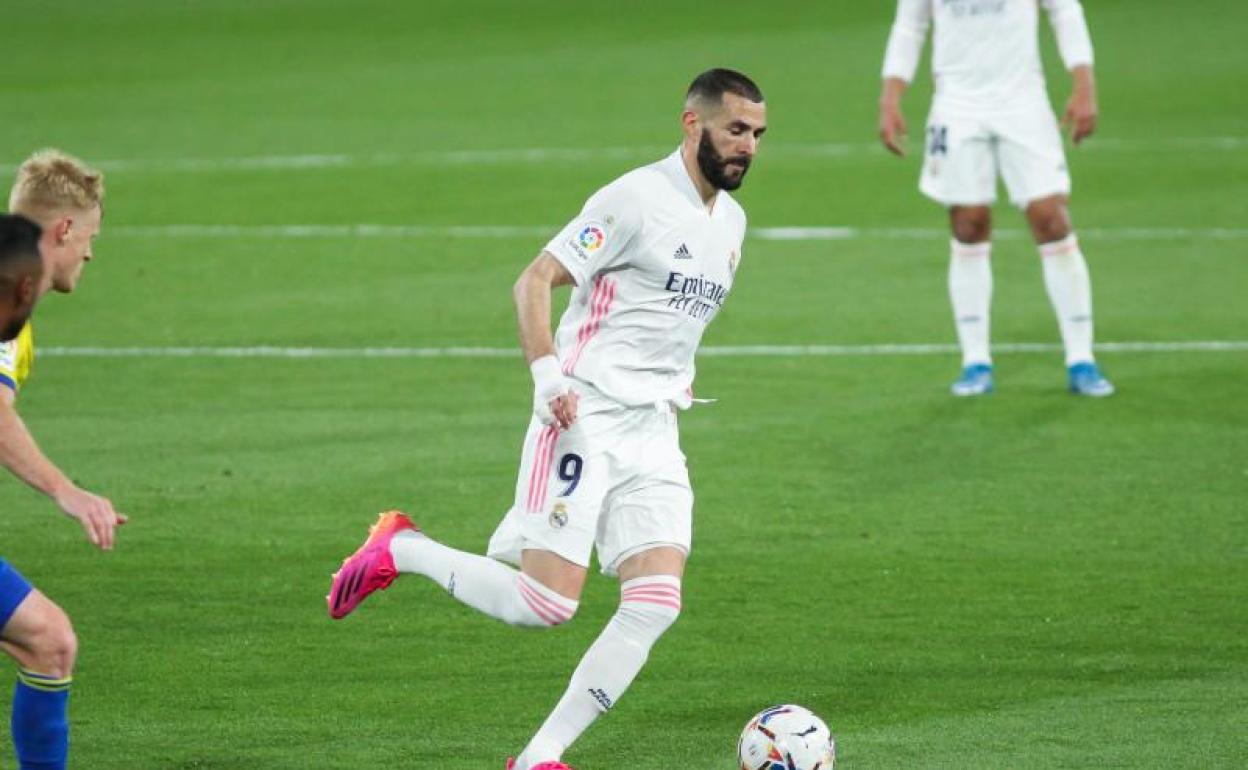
x=1049 y=220
x=1050 y=229
x=971 y=224
x=53 y=646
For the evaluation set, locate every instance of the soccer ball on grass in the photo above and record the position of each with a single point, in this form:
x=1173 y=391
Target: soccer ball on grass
x=786 y=738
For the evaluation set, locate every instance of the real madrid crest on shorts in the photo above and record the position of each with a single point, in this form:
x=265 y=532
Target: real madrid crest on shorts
x=559 y=516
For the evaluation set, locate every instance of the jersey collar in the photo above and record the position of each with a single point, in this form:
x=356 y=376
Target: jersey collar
x=674 y=166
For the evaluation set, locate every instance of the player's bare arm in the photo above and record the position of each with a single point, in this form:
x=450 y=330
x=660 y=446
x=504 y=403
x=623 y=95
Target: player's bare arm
x=901 y=61
x=892 y=122
x=554 y=400
x=1081 y=110
x=1074 y=42
x=21 y=455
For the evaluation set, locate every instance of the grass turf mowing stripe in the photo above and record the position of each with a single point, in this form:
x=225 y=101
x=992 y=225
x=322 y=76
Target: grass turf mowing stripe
x=897 y=349
x=513 y=155
x=813 y=233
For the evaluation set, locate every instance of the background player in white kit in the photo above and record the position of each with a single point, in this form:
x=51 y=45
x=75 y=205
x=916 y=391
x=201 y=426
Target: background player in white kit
x=652 y=256
x=990 y=114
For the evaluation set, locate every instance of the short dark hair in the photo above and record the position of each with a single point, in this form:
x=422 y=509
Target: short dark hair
x=19 y=241
x=713 y=84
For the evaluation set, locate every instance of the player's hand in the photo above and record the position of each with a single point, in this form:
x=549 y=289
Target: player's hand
x=1080 y=116
x=554 y=401
x=563 y=409
x=893 y=128
x=94 y=513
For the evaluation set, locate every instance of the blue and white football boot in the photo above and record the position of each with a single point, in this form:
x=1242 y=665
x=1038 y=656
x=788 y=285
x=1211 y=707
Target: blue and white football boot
x=976 y=380
x=1086 y=380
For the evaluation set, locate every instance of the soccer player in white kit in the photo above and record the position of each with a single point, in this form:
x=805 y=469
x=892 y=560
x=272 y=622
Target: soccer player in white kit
x=990 y=115
x=652 y=256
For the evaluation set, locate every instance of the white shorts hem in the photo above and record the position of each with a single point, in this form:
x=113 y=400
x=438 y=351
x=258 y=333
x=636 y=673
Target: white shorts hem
x=1031 y=198
x=612 y=569
x=948 y=202
x=509 y=543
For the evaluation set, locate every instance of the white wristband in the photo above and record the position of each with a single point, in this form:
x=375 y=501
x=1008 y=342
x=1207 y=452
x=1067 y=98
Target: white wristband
x=547 y=374
x=548 y=384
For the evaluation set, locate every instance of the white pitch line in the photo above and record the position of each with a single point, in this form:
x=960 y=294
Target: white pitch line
x=332 y=231
x=515 y=155
x=271 y=351
x=486 y=232
x=524 y=155
x=735 y=351
x=839 y=233
x=936 y=348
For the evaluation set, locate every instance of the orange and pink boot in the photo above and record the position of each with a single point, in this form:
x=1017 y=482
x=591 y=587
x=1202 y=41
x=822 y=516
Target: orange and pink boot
x=370 y=568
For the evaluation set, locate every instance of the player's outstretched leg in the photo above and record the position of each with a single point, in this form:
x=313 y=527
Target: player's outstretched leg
x=395 y=546
x=649 y=605
x=1070 y=290
x=970 y=294
x=39 y=636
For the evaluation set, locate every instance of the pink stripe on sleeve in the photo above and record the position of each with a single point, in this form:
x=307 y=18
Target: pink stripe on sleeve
x=604 y=295
x=583 y=333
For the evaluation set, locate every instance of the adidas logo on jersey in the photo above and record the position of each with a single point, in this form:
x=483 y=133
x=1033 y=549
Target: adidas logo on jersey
x=683 y=252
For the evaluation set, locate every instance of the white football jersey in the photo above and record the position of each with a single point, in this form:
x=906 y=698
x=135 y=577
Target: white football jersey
x=985 y=53
x=652 y=267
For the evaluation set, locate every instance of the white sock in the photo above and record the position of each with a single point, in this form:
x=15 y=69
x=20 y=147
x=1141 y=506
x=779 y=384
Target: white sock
x=481 y=582
x=648 y=607
x=970 y=291
x=1070 y=291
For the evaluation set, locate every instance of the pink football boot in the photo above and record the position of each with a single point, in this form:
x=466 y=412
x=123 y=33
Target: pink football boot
x=511 y=764
x=371 y=568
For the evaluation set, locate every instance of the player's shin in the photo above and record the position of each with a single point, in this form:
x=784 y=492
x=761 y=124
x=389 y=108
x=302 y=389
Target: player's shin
x=40 y=721
x=1070 y=291
x=648 y=607
x=482 y=583
x=970 y=292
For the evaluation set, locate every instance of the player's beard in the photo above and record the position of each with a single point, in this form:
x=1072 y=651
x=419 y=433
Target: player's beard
x=714 y=166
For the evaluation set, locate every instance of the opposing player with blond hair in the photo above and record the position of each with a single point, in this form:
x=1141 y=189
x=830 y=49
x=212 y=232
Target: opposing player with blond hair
x=62 y=197
x=991 y=117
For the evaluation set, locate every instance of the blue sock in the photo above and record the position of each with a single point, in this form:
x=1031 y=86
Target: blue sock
x=41 y=721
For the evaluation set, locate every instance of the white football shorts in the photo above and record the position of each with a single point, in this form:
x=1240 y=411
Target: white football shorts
x=965 y=152
x=615 y=481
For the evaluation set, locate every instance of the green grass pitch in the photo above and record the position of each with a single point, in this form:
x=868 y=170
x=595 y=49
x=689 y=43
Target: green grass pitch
x=1023 y=581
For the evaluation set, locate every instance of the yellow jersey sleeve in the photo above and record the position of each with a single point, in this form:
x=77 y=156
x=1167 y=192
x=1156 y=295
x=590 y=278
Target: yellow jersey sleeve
x=17 y=356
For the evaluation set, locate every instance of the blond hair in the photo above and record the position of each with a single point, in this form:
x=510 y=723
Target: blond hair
x=51 y=181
